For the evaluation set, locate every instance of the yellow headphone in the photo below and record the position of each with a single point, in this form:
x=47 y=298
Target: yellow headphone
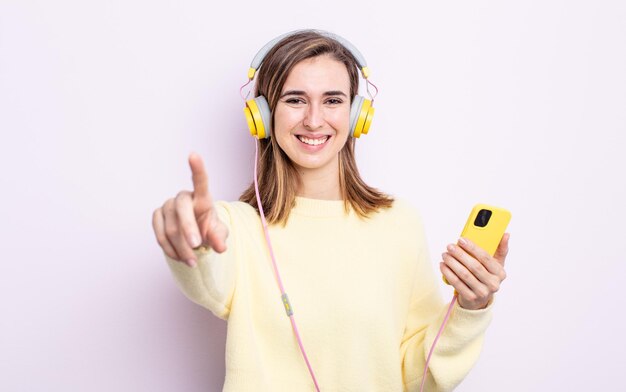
x=257 y=110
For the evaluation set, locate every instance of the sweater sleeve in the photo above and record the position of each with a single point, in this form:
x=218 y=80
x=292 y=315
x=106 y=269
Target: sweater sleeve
x=211 y=283
x=458 y=347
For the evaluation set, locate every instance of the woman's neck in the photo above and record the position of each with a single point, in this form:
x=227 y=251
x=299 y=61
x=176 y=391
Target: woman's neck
x=320 y=183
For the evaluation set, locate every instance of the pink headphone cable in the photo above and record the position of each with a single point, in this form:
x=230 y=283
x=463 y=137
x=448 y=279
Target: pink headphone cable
x=432 y=348
x=284 y=297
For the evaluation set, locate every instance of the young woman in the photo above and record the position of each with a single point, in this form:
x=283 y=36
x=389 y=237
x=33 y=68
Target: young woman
x=354 y=260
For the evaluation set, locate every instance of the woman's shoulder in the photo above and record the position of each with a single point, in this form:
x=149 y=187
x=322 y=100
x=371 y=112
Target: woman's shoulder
x=402 y=209
x=402 y=216
x=235 y=204
x=236 y=210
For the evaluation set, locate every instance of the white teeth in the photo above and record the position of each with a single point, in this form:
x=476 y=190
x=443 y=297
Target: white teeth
x=313 y=142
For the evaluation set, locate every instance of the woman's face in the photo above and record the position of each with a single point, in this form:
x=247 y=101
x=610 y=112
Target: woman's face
x=312 y=116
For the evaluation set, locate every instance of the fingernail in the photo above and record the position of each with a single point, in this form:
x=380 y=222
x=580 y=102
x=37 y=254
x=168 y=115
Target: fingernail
x=451 y=248
x=462 y=241
x=195 y=240
x=191 y=263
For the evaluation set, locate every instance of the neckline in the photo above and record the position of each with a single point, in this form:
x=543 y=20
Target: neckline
x=319 y=208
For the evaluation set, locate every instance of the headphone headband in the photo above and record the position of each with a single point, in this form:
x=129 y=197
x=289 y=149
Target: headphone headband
x=260 y=56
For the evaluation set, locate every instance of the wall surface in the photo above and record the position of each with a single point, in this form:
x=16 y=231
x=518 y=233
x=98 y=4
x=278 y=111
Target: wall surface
x=518 y=104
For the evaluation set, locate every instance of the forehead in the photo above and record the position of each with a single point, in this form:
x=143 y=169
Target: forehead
x=319 y=73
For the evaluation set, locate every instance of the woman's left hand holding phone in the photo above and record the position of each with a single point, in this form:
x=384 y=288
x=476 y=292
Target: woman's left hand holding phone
x=475 y=274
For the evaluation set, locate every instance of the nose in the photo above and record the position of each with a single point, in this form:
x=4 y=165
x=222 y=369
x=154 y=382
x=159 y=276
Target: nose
x=314 y=117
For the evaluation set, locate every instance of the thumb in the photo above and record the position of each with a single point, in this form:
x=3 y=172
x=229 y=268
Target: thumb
x=503 y=248
x=214 y=232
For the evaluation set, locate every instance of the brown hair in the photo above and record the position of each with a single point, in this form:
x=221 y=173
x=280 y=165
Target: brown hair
x=277 y=176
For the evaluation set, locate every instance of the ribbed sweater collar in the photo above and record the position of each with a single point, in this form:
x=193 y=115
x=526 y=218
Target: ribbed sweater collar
x=319 y=208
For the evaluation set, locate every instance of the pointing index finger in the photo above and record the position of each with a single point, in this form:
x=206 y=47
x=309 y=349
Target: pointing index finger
x=201 y=195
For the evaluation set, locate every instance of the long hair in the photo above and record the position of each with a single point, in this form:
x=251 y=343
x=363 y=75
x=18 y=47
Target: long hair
x=277 y=176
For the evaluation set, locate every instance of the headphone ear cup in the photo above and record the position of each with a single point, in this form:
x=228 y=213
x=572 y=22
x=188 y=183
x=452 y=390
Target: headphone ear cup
x=258 y=117
x=361 y=114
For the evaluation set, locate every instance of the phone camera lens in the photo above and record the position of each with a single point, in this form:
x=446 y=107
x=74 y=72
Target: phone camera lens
x=482 y=218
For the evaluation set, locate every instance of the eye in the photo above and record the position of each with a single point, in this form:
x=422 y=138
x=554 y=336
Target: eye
x=334 y=101
x=294 y=101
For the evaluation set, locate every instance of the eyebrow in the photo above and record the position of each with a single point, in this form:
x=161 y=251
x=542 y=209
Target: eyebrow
x=300 y=92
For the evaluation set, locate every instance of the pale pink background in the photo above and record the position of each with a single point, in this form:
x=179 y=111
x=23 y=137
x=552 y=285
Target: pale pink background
x=100 y=105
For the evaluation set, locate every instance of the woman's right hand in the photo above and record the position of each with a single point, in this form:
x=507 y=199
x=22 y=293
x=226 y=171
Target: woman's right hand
x=190 y=220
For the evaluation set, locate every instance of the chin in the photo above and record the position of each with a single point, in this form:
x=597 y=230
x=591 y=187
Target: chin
x=314 y=164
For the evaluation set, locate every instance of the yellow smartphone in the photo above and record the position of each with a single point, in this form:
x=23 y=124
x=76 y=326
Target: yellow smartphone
x=485 y=227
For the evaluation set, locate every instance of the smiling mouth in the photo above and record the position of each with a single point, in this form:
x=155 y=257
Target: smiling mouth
x=313 y=142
